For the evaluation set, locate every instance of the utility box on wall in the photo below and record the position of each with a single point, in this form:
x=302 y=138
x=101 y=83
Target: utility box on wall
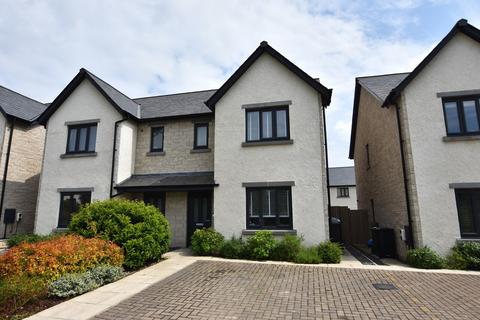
x=9 y=216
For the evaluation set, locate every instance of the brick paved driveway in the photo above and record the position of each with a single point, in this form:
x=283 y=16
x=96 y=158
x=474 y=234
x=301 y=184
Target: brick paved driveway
x=227 y=290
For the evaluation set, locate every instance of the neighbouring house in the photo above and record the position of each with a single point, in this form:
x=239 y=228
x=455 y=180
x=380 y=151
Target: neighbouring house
x=416 y=145
x=21 y=145
x=342 y=187
x=248 y=156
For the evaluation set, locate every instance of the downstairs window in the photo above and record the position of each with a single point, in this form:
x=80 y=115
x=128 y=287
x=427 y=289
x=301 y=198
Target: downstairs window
x=70 y=203
x=269 y=208
x=468 y=207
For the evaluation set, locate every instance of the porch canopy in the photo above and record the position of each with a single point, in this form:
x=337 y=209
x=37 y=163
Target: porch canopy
x=182 y=181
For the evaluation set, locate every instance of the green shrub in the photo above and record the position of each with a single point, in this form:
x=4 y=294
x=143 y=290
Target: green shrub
x=233 y=249
x=74 y=284
x=308 y=255
x=330 y=252
x=287 y=249
x=30 y=238
x=140 y=229
x=206 y=242
x=424 y=258
x=17 y=291
x=465 y=256
x=455 y=260
x=260 y=245
x=104 y=274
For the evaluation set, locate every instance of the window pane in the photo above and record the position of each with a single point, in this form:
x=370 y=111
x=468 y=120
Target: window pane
x=255 y=203
x=465 y=213
x=267 y=124
x=253 y=126
x=72 y=140
x=157 y=139
x=283 y=202
x=70 y=204
x=82 y=139
x=268 y=203
x=201 y=136
x=92 y=138
x=451 y=114
x=281 y=123
x=471 y=119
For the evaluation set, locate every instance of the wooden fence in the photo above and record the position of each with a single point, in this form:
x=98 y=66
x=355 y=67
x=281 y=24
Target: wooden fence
x=355 y=228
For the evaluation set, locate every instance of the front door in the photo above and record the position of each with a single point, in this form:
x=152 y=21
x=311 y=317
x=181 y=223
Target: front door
x=199 y=211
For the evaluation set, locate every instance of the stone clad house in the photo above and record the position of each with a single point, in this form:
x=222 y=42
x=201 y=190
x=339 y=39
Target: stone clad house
x=227 y=157
x=416 y=145
x=21 y=145
x=343 y=192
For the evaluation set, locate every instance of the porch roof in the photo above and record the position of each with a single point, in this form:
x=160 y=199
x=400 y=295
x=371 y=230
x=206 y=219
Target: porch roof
x=165 y=181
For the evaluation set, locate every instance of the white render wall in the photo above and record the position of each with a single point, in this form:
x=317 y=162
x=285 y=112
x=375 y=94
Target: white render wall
x=302 y=162
x=350 y=202
x=126 y=145
x=438 y=163
x=85 y=103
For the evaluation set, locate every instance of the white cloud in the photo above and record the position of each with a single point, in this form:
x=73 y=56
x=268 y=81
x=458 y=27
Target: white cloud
x=153 y=47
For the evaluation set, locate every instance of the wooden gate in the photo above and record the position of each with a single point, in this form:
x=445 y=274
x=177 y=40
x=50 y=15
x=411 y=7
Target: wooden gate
x=355 y=228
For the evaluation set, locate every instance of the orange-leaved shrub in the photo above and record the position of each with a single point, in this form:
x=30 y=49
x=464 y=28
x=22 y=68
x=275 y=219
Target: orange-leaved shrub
x=53 y=258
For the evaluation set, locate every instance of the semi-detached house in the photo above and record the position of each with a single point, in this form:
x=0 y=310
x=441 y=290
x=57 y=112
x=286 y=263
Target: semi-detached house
x=248 y=156
x=21 y=152
x=416 y=145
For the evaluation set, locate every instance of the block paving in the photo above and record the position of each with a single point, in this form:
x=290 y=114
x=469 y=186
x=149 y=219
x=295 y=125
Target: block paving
x=230 y=290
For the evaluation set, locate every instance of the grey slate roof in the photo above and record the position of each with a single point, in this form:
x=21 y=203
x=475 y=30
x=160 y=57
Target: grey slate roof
x=182 y=179
x=124 y=102
x=342 y=176
x=380 y=86
x=172 y=105
x=16 y=105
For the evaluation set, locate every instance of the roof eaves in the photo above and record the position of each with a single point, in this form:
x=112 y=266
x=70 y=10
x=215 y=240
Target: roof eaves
x=262 y=48
x=463 y=26
x=353 y=131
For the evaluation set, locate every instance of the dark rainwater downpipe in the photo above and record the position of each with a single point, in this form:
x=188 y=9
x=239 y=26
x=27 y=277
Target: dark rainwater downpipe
x=411 y=242
x=328 y=174
x=114 y=152
x=5 y=172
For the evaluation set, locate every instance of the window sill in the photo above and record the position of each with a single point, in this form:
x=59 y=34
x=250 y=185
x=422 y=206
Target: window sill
x=460 y=138
x=266 y=143
x=201 y=150
x=155 y=153
x=471 y=239
x=248 y=232
x=78 y=155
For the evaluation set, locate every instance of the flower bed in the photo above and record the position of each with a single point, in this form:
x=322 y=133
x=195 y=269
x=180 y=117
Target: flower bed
x=263 y=246
x=28 y=270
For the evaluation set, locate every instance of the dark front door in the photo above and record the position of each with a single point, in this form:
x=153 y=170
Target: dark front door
x=156 y=199
x=199 y=211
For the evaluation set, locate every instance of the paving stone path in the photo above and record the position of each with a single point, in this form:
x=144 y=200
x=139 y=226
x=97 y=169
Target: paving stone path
x=229 y=290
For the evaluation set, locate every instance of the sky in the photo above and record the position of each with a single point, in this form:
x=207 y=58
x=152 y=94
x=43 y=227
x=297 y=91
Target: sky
x=158 y=47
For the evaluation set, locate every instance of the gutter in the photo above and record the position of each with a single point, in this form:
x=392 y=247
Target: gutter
x=328 y=174
x=114 y=152
x=411 y=241
x=5 y=170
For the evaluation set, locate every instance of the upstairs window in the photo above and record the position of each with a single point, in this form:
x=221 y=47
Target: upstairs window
x=343 y=192
x=156 y=143
x=269 y=208
x=70 y=203
x=200 y=136
x=82 y=138
x=267 y=124
x=462 y=115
